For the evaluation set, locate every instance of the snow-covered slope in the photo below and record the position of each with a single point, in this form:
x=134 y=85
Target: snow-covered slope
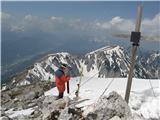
x=142 y=98
x=44 y=69
x=107 y=61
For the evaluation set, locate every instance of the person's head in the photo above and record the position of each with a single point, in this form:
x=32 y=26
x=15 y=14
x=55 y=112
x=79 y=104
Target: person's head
x=63 y=66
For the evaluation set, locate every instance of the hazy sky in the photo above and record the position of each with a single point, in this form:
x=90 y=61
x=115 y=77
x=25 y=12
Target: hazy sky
x=32 y=27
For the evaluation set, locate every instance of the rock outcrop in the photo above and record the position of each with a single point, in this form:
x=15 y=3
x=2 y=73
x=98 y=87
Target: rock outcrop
x=111 y=107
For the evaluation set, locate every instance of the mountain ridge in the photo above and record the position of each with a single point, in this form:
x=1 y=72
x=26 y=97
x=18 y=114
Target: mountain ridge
x=108 y=61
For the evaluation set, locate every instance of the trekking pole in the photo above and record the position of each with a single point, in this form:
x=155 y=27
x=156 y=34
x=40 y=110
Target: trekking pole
x=78 y=85
x=68 y=87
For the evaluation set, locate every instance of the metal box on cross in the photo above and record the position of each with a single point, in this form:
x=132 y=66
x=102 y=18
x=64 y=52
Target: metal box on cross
x=135 y=37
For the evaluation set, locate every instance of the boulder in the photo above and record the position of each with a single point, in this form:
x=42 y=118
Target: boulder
x=91 y=116
x=52 y=107
x=115 y=118
x=70 y=114
x=5 y=118
x=111 y=107
x=30 y=96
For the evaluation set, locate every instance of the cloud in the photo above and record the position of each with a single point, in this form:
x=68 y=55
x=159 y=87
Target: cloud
x=4 y=15
x=53 y=18
x=117 y=24
x=116 y=20
x=17 y=28
x=120 y=27
x=28 y=17
x=151 y=27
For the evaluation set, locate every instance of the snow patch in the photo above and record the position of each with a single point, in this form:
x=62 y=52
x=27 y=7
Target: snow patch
x=12 y=114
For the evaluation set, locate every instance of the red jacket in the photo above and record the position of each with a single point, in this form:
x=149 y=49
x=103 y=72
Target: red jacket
x=60 y=82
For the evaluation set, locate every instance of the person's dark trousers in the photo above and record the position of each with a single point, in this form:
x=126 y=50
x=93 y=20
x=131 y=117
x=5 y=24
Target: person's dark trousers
x=60 y=95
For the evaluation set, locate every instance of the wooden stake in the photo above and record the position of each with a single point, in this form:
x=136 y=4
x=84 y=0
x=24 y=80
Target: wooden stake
x=133 y=58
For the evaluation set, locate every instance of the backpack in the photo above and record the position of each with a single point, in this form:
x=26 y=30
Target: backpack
x=59 y=73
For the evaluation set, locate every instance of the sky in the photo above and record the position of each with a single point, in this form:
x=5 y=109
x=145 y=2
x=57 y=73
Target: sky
x=84 y=10
x=31 y=28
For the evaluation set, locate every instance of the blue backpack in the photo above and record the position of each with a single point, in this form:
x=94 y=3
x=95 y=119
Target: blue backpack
x=59 y=73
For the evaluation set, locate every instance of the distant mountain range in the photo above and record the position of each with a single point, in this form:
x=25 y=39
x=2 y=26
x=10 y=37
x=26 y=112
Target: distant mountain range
x=109 y=61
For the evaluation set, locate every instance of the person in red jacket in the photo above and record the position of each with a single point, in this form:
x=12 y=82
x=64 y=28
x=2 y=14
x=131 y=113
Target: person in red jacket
x=61 y=77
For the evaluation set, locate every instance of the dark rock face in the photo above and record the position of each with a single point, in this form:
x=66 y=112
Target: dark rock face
x=151 y=63
x=110 y=62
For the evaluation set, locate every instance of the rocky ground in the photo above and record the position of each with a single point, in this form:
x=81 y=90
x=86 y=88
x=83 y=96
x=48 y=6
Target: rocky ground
x=29 y=103
x=24 y=97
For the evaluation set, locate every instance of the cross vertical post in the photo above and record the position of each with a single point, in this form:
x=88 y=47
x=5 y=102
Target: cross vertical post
x=135 y=37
